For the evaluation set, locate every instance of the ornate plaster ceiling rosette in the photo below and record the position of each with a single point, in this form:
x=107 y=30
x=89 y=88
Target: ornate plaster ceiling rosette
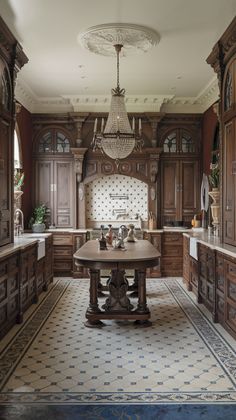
x=135 y=39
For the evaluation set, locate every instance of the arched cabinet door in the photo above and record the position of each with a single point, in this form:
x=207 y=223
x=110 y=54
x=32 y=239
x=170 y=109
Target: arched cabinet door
x=54 y=176
x=5 y=153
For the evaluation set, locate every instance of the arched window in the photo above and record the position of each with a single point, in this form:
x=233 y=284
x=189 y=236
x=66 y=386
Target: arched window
x=179 y=141
x=17 y=150
x=53 y=141
x=18 y=164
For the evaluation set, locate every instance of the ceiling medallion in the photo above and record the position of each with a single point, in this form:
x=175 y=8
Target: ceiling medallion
x=135 y=39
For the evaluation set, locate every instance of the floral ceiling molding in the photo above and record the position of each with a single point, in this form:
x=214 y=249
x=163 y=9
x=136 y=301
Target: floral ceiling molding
x=135 y=39
x=101 y=103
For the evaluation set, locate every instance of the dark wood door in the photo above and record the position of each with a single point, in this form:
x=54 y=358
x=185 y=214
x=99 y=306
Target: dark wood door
x=63 y=194
x=44 y=184
x=188 y=190
x=180 y=190
x=54 y=186
x=170 y=189
x=229 y=183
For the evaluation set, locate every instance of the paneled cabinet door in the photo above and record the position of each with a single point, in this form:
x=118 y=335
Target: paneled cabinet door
x=5 y=182
x=170 y=185
x=63 y=199
x=180 y=190
x=189 y=190
x=229 y=183
x=54 y=187
x=44 y=189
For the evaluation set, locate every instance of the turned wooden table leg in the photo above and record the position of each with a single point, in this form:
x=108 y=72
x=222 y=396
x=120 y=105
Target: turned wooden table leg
x=142 y=298
x=93 y=308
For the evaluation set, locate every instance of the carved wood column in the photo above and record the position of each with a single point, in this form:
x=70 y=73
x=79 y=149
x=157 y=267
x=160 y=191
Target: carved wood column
x=154 y=156
x=79 y=154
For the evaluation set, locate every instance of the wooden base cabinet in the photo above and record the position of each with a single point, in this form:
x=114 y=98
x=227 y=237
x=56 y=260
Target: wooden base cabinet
x=193 y=275
x=172 y=254
x=186 y=271
x=220 y=288
x=206 y=283
x=28 y=273
x=9 y=292
x=62 y=253
x=22 y=279
x=155 y=239
x=230 y=294
x=78 y=240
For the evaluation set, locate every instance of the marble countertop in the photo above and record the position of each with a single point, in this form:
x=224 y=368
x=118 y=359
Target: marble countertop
x=212 y=242
x=20 y=242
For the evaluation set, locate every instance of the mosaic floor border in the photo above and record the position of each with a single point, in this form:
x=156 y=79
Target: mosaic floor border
x=224 y=353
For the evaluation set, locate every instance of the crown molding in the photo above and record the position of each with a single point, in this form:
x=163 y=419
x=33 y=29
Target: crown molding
x=101 y=103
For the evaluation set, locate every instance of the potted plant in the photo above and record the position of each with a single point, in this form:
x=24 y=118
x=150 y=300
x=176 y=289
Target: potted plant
x=37 y=221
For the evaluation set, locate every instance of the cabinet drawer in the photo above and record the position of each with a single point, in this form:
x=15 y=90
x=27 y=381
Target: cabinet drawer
x=173 y=238
x=172 y=251
x=62 y=239
x=230 y=270
x=62 y=265
x=62 y=252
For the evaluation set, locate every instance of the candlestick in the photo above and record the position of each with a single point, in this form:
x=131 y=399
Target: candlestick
x=139 y=125
x=102 y=125
x=95 y=125
x=133 y=124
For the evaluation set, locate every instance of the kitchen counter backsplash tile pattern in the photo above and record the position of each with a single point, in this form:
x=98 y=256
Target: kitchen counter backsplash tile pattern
x=116 y=197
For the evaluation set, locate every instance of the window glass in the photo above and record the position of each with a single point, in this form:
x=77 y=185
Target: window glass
x=62 y=143
x=187 y=143
x=45 y=143
x=170 y=143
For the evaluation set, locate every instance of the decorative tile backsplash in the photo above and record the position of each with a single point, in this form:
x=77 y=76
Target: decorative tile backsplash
x=116 y=198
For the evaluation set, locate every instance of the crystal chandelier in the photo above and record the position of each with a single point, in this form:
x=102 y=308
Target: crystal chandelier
x=117 y=140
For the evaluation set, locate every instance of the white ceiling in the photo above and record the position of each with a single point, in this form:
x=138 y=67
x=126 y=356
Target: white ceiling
x=62 y=75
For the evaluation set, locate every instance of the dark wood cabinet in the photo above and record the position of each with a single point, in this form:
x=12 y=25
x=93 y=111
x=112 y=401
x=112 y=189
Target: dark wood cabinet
x=54 y=183
x=79 y=239
x=229 y=184
x=223 y=61
x=186 y=271
x=180 y=172
x=54 y=177
x=220 y=287
x=62 y=253
x=44 y=274
x=155 y=239
x=206 y=282
x=172 y=254
x=230 y=294
x=12 y=59
x=22 y=278
x=193 y=275
x=28 y=275
x=9 y=292
x=180 y=190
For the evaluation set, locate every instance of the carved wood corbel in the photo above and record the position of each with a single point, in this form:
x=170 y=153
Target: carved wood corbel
x=154 y=119
x=78 y=120
x=79 y=154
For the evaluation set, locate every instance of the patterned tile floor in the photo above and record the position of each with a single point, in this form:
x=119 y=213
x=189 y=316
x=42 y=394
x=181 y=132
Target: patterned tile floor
x=181 y=357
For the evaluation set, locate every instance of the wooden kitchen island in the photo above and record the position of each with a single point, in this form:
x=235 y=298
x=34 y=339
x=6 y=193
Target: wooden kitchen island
x=139 y=256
